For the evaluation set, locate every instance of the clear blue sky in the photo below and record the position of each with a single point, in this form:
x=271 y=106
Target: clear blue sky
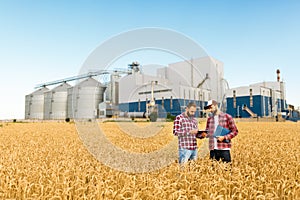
x=42 y=41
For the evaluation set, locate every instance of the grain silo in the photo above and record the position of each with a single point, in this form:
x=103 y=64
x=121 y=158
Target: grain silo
x=34 y=104
x=55 y=106
x=84 y=98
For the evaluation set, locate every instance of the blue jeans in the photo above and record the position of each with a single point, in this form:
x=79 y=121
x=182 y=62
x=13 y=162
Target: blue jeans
x=186 y=155
x=223 y=155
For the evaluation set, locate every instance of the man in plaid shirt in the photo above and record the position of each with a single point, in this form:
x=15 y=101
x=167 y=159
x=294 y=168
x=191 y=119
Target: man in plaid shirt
x=219 y=147
x=186 y=128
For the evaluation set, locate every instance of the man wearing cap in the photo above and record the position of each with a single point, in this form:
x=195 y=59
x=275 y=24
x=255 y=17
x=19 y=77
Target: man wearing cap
x=186 y=128
x=219 y=147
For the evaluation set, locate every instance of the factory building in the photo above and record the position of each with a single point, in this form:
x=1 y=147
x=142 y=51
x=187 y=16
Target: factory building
x=173 y=87
x=132 y=93
x=168 y=91
x=265 y=99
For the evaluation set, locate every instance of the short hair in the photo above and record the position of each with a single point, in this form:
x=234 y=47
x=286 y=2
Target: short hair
x=191 y=104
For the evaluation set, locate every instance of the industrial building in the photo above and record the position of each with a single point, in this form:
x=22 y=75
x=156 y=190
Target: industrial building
x=265 y=99
x=173 y=87
x=132 y=93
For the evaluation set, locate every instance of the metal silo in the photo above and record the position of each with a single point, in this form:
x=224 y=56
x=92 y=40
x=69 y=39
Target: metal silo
x=84 y=98
x=55 y=106
x=34 y=104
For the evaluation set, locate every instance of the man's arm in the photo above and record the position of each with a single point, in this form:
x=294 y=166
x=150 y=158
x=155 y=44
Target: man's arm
x=177 y=128
x=232 y=127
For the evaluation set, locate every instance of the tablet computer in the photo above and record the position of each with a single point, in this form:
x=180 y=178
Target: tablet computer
x=198 y=135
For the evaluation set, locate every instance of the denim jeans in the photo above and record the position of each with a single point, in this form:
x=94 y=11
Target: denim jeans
x=186 y=155
x=223 y=155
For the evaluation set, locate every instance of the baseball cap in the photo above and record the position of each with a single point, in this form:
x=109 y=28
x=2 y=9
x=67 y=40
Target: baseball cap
x=210 y=103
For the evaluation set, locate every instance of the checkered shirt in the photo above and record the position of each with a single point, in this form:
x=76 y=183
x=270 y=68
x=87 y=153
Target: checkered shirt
x=226 y=121
x=182 y=126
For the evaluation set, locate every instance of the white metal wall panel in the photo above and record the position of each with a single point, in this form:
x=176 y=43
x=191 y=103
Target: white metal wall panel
x=202 y=66
x=34 y=104
x=84 y=98
x=56 y=100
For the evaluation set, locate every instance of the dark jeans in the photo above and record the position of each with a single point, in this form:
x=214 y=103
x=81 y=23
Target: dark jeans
x=223 y=155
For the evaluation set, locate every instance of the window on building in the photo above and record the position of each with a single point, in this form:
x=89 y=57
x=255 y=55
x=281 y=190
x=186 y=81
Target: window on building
x=234 y=99
x=139 y=105
x=163 y=102
x=171 y=102
x=251 y=98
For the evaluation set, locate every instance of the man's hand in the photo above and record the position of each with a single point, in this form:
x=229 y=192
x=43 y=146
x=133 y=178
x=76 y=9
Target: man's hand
x=221 y=138
x=203 y=134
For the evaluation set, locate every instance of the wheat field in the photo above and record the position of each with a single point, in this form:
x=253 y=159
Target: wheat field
x=47 y=160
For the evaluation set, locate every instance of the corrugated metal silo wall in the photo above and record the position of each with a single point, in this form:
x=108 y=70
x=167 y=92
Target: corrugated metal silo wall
x=35 y=108
x=83 y=101
x=55 y=105
x=70 y=106
x=27 y=106
x=48 y=105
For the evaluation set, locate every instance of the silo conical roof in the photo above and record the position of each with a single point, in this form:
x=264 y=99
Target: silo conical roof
x=40 y=91
x=61 y=88
x=90 y=82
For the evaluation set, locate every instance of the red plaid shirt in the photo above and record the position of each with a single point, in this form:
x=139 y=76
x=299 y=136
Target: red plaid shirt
x=226 y=121
x=182 y=127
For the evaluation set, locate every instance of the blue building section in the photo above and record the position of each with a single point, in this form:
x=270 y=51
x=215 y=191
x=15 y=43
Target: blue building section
x=261 y=106
x=172 y=106
x=293 y=115
x=283 y=104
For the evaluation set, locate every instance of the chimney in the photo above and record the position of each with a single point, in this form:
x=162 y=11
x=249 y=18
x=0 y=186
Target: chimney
x=278 y=75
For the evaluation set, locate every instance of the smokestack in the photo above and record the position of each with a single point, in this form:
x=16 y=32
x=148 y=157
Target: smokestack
x=278 y=75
